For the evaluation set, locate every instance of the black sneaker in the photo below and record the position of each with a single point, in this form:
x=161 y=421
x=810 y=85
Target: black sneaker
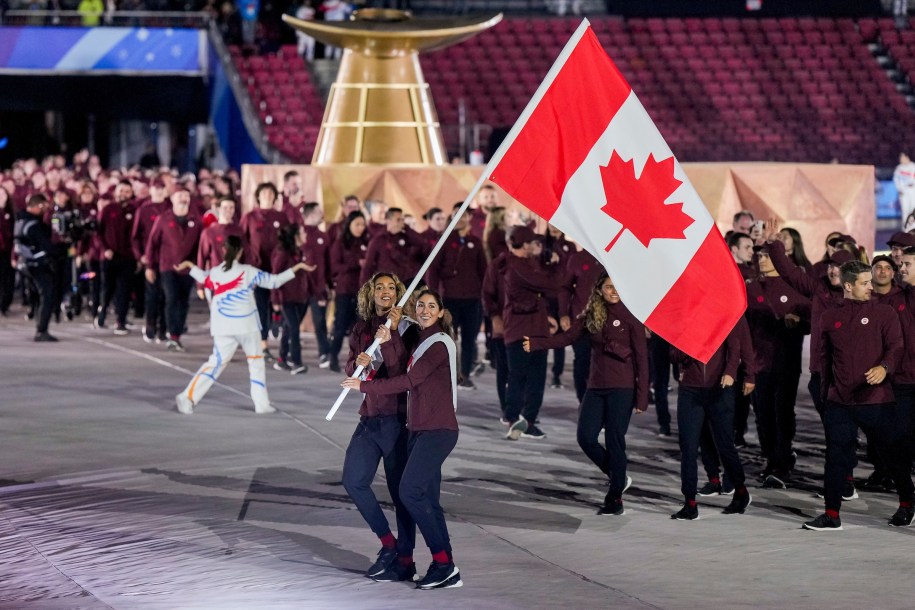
x=612 y=506
x=557 y=384
x=739 y=504
x=334 y=366
x=280 y=365
x=466 y=384
x=174 y=345
x=516 y=428
x=710 y=489
x=824 y=523
x=727 y=489
x=774 y=481
x=386 y=557
x=849 y=492
x=441 y=576
x=478 y=369
x=873 y=482
x=902 y=518
x=740 y=442
x=298 y=369
x=121 y=330
x=45 y=337
x=323 y=362
x=687 y=513
x=534 y=432
x=397 y=572
x=664 y=431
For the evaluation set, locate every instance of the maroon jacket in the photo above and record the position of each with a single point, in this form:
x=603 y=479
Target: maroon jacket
x=400 y=254
x=904 y=304
x=478 y=223
x=429 y=384
x=212 y=239
x=493 y=291
x=694 y=374
x=855 y=337
x=823 y=296
x=430 y=238
x=769 y=300
x=114 y=227
x=495 y=242
x=295 y=290
x=619 y=353
x=346 y=264
x=260 y=228
x=527 y=286
x=395 y=356
x=146 y=215
x=458 y=270
x=316 y=251
x=7 y=222
x=172 y=241
x=888 y=297
x=581 y=271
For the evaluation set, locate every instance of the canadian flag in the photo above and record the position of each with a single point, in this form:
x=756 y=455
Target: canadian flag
x=585 y=156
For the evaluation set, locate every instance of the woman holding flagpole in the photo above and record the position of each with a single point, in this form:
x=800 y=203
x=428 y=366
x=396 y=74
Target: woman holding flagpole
x=430 y=379
x=617 y=383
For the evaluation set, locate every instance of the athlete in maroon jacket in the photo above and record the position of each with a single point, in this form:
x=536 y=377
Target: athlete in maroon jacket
x=860 y=348
x=146 y=216
x=347 y=257
x=118 y=264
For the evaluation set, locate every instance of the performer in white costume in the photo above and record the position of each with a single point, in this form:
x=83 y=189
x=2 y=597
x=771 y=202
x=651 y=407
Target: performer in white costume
x=233 y=323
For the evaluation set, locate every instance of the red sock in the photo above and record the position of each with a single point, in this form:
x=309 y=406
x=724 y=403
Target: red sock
x=388 y=541
x=405 y=560
x=691 y=502
x=905 y=505
x=715 y=481
x=742 y=490
x=440 y=557
x=832 y=514
x=849 y=478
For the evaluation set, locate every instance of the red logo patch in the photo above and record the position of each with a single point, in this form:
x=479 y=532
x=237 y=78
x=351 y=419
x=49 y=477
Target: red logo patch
x=902 y=307
x=838 y=325
x=760 y=299
x=219 y=238
x=585 y=267
x=171 y=224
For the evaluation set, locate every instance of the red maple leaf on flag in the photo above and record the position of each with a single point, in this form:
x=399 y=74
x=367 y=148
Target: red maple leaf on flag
x=638 y=203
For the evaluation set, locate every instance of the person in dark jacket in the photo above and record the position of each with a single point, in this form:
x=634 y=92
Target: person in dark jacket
x=292 y=297
x=347 y=257
x=617 y=382
x=860 y=348
x=397 y=249
x=118 y=264
x=146 y=216
x=37 y=255
x=431 y=380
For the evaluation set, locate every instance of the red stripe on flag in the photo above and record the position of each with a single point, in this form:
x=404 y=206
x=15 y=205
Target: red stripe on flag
x=573 y=113
x=704 y=304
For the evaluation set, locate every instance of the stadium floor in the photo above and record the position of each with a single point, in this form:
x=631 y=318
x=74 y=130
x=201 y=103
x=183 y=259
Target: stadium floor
x=111 y=499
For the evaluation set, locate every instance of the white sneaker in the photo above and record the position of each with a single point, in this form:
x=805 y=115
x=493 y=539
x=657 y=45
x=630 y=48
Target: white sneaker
x=185 y=404
x=264 y=410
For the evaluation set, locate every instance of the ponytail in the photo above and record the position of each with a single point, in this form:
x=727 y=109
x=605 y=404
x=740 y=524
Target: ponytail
x=231 y=250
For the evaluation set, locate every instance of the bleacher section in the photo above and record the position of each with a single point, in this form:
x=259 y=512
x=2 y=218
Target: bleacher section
x=720 y=89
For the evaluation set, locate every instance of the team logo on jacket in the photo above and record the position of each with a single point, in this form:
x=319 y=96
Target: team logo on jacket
x=363 y=248
x=190 y=223
x=320 y=241
x=470 y=244
x=276 y=224
x=864 y=320
x=783 y=299
x=616 y=322
x=401 y=242
x=129 y=217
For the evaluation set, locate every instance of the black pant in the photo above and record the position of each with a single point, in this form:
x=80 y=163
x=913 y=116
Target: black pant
x=775 y=420
x=46 y=283
x=177 y=288
x=95 y=287
x=526 y=380
x=610 y=410
x=116 y=277
x=374 y=439
x=581 y=365
x=659 y=350
x=155 y=308
x=137 y=289
x=290 y=341
x=741 y=406
x=694 y=407
x=319 y=320
x=905 y=402
x=466 y=315
x=7 y=280
x=421 y=484
x=344 y=318
x=264 y=310
x=499 y=359
x=881 y=422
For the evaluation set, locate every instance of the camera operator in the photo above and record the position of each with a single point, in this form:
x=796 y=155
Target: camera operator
x=36 y=255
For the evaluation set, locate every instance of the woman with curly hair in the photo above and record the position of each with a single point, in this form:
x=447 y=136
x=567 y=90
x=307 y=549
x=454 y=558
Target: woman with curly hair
x=430 y=378
x=381 y=434
x=617 y=383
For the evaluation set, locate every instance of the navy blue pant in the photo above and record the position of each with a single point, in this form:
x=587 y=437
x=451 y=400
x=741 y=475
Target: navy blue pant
x=376 y=439
x=581 y=365
x=610 y=410
x=881 y=424
x=695 y=406
x=421 y=484
x=264 y=310
x=526 y=380
x=291 y=341
x=466 y=315
x=319 y=320
x=155 y=308
x=500 y=360
x=344 y=318
x=659 y=350
x=177 y=288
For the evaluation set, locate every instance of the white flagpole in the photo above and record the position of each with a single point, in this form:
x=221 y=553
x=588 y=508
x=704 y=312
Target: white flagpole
x=487 y=171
